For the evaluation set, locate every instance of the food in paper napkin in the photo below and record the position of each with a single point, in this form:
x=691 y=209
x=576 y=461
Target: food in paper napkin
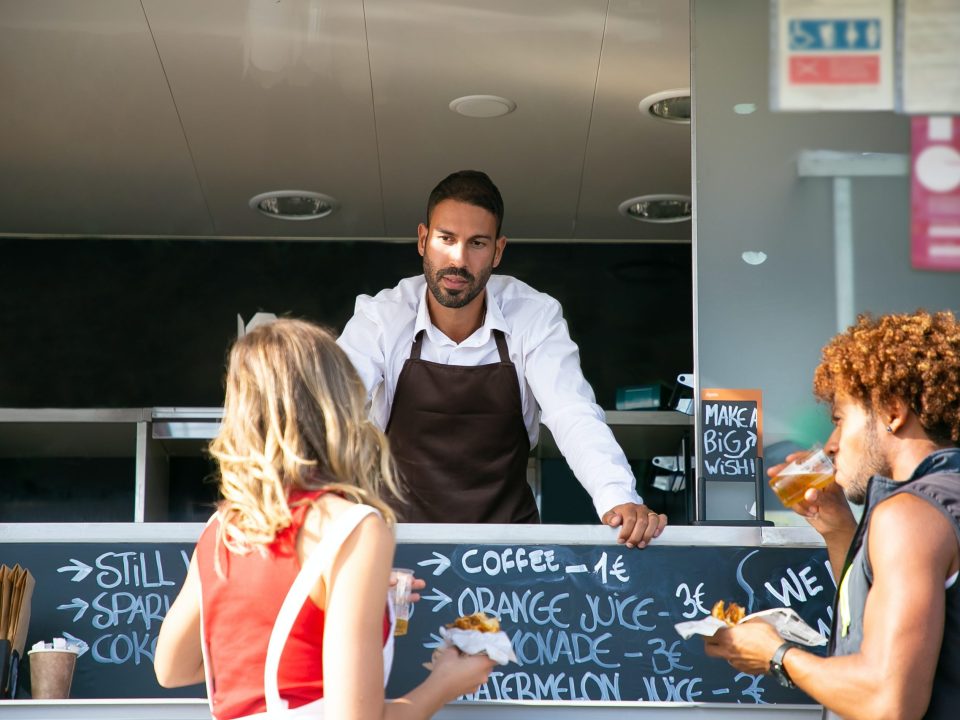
x=478 y=621
x=786 y=621
x=731 y=614
x=478 y=633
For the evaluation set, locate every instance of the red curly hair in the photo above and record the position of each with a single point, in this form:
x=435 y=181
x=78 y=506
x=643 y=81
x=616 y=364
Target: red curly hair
x=913 y=357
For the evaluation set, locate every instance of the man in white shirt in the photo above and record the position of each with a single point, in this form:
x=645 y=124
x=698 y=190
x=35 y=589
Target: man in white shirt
x=460 y=364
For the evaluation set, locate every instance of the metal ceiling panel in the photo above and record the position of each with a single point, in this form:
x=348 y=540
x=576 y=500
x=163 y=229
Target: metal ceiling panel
x=90 y=142
x=275 y=96
x=629 y=153
x=542 y=54
x=164 y=119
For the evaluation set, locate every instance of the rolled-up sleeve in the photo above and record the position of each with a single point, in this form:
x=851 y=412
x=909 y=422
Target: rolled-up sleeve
x=569 y=410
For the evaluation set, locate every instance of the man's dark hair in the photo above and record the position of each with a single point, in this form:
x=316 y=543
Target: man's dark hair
x=469 y=186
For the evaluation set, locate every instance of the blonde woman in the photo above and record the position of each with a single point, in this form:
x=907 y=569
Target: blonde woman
x=283 y=610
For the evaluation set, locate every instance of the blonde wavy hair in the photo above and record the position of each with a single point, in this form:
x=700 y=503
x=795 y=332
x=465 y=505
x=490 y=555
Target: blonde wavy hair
x=294 y=418
x=914 y=357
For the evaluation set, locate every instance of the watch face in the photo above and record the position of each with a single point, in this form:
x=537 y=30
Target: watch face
x=776 y=665
x=781 y=675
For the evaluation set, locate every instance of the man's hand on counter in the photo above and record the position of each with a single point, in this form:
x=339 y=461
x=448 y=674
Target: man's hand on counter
x=638 y=524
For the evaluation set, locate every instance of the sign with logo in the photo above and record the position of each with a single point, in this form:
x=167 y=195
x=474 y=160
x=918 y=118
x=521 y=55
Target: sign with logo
x=832 y=55
x=935 y=192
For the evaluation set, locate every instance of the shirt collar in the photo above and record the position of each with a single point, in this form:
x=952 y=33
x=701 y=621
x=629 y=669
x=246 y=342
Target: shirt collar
x=493 y=320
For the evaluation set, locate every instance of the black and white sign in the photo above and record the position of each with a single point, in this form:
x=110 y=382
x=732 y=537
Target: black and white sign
x=730 y=435
x=596 y=622
x=587 y=622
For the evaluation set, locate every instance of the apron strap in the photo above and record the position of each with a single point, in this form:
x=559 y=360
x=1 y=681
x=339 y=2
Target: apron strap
x=321 y=557
x=501 y=346
x=417 y=346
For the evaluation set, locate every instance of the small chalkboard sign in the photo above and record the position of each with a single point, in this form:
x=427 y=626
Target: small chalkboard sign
x=731 y=438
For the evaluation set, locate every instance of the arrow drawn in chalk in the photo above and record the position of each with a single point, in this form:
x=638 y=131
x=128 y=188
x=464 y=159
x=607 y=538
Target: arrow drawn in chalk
x=441 y=597
x=81 y=569
x=81 y=645
x=441 y=562
x=80 y=605
x=435 y=642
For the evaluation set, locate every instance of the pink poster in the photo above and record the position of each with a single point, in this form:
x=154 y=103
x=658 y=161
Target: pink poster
x=935 y=192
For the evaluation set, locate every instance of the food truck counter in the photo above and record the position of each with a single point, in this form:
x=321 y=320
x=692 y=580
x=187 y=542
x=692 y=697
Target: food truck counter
x=505 y=710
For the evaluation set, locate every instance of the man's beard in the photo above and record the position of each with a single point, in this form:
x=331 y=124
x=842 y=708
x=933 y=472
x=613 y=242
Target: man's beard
x=872 y=463
x=455 y=298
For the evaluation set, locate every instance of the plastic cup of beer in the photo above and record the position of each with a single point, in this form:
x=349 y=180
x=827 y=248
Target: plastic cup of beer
x=51 y=673
x=400 y=596
x=814 y=470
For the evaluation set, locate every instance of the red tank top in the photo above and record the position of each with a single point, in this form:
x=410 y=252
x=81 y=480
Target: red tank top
x=239 y=611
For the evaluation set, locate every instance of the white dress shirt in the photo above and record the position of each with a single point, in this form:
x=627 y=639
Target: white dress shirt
x=379 y=336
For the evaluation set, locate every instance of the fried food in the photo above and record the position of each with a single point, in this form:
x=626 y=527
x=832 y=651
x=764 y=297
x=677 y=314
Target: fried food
x=478 y=621
x=731 y=614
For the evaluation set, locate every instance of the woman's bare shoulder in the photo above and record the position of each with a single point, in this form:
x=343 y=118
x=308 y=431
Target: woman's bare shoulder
x=326 y=510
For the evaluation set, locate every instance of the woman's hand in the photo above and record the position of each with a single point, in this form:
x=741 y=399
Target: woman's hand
x=417 y=584
x=460 y=674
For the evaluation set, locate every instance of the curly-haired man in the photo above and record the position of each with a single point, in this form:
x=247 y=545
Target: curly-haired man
x=893 y=384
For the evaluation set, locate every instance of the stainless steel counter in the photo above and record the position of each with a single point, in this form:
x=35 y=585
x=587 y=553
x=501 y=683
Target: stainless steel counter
x=197 y=710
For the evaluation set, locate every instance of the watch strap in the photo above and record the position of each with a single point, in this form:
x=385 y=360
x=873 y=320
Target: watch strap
x=776 y=664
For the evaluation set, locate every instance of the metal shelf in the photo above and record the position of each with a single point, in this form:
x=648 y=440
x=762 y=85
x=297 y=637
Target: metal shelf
x=151 y=436
x=105 y=433
x=642 y=434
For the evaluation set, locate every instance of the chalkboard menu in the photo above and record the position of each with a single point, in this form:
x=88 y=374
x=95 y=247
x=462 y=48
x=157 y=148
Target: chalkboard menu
x=731 y=437
x=596 y=622
x=587 y=622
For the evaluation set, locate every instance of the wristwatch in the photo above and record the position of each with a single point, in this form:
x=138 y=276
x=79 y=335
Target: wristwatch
x=776 y=665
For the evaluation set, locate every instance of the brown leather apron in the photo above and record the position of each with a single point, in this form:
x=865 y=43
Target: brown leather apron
x=460 y=443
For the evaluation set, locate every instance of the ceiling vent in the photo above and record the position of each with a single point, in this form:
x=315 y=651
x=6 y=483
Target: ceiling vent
x=658 y=208
x=293 y=204
x=482 y=106
x=669 y=105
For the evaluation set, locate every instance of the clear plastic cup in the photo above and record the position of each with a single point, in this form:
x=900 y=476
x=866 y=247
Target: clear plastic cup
x=400 y=596
x=814 y=470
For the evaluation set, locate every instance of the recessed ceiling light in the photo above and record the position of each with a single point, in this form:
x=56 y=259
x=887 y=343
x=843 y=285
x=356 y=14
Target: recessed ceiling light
x=293 y=204
x=482 y=106
x=658 y=208
x=669 y=105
